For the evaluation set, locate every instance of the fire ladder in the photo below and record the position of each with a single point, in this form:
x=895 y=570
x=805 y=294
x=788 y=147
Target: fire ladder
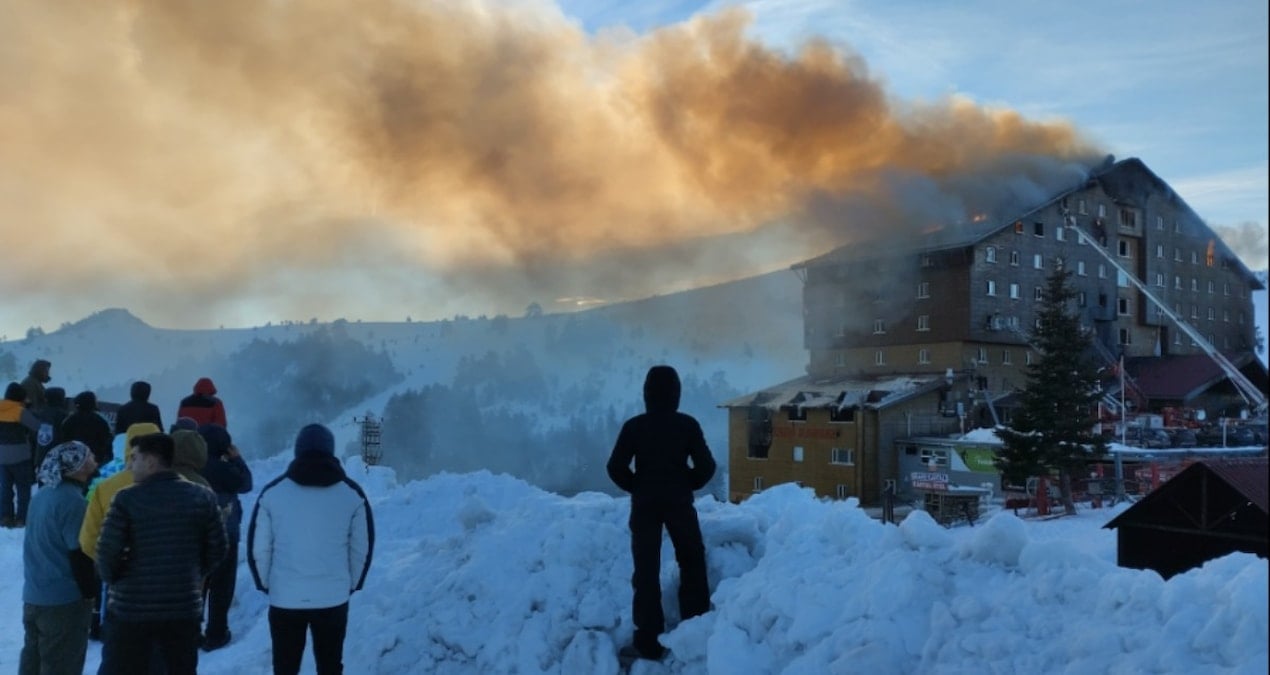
x=1251 y=394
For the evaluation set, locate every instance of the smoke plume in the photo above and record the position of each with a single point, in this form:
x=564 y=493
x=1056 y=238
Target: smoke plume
x=192 y=160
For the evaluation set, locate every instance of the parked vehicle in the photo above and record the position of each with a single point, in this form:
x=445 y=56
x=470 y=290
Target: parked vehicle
x=1183 y=438
x=1236 y=436
x=1147 y=438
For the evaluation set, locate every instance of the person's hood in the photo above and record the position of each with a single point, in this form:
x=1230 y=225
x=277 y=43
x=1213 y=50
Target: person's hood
x=205 y=387
x=40 y=370
x=190 y=456
x=316 y=470
x=138 y=429
x=140 y=392
x=86 y=401
x=661 y=389
x=217 y=438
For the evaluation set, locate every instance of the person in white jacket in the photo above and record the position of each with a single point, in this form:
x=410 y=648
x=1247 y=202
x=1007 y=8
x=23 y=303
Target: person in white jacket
x=309 y=546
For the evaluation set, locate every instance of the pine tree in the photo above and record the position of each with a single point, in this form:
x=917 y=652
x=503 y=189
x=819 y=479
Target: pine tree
x=1054 y=427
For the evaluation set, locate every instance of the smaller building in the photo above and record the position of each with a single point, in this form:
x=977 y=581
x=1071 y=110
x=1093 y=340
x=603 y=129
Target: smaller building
x=838 y=435
x=1210 y=509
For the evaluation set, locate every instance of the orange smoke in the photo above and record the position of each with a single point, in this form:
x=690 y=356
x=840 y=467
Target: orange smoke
x=191 y=151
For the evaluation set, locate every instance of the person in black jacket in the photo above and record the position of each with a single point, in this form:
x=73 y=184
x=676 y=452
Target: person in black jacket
x=137 y=409
x=87 y=426
x=160 y=540
x=229 y=477
x=51 y=416
x=671 y=461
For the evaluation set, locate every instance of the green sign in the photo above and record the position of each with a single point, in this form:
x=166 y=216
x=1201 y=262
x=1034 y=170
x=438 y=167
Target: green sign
x=979 y=459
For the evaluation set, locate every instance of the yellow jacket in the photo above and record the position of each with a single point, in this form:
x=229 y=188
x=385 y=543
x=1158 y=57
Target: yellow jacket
x=99 y=500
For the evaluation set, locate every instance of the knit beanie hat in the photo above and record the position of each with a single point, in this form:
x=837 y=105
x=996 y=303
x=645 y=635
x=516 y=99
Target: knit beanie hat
x=86 y=400
x=314 y=439
x=62 y=459
x=15 y=392
x=184 y=424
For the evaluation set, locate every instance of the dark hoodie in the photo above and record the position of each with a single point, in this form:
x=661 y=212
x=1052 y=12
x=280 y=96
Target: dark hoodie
x=660 y=442
x=51 y=416
x=87 y=426
x=228 y=476
x=137 y=409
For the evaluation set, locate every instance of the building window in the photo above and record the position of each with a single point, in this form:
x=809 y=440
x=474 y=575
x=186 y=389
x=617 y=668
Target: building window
x=842 y=456
x=923 y=289
x=1194 y=258
x=1038 y=293
x=1225 y=288
x=842 y=414
x=840 y=359
x=1102 y=271
x=1102 y=299
x=1080 y=268
x=1018 y=227
x=1159 y=223
x=923 y=322
x=1128 y=218
x=1102 y=210
x=1194 y=284
x=1177 y=282
x=1058 y=233
x=1064 y=203
x=1081 y=299
x=1159 y=251
x=1212 y=314
x=1210 y=287
x=796 y=413
x=758 y=483
x=1177 y=254
x=1081 y=208
x=981 y=355
x=1027 y=358
x=1194 y=312
x=1122 y=306
x=1177 y=337
x=1038 y=229
x=1005 y=357
x=1225 y=315
x=1014 y=258
x=992 y=287
x=990 y=254
x=879 y=326
x=1014 y=291
x=923 y=356
x=1037 y=261
x=1159 y=279
x=934 y=458
x=1123 y=247
x=842 y=492
x=1177 y=226
x=879 y=358
x=1124 y=336
x=798 y=453
x=1122 y=279
x=926 y=261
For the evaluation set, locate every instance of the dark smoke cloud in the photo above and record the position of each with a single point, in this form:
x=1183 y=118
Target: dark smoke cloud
x=200 y=160
x=1249 y=241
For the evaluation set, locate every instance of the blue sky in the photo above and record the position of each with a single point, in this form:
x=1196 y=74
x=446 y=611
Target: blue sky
x=1181 y=85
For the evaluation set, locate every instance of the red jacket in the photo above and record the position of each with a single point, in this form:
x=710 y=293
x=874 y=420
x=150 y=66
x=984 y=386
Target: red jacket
x=202 y=406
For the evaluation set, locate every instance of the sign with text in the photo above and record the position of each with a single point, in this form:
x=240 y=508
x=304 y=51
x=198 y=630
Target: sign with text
x=928 y=480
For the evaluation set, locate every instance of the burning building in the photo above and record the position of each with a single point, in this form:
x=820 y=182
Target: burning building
x=931 y=336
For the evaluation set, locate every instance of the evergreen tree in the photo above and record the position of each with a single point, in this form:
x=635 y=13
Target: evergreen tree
x=1053 y=429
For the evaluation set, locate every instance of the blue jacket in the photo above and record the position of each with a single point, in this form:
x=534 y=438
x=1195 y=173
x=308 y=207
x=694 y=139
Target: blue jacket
x=52 y=533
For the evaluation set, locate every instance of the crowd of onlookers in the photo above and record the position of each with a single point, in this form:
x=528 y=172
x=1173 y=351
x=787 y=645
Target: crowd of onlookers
x=132 y=532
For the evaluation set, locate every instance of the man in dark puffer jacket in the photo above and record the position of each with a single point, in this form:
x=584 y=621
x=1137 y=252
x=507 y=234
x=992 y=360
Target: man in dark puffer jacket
x=229 y=477
x=161 y=538
x=660 y=443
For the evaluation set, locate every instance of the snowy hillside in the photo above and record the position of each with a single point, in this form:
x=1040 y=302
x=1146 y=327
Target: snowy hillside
x=543 y=394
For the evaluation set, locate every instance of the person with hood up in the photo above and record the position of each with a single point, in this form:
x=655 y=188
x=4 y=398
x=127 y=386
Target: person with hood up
x=160 y=540
x=51 y=417
x=137 y=409
x=309 y=547
x=190 y=456
x=203 y=405
x=87 y=426
x=671 y=461
x=17 y=427
x=34 y=383
x=229 y=477
x=58 y=584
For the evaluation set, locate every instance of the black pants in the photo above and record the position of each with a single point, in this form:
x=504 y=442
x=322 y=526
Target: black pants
x=220 y=593
x=287 y=627
x=680 y=521
x=133 y=643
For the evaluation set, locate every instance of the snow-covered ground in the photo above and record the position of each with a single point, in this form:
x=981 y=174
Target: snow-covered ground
x=479 y=573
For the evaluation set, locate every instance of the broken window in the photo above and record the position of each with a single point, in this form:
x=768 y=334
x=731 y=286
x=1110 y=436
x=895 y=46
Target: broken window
x=1038 y=229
